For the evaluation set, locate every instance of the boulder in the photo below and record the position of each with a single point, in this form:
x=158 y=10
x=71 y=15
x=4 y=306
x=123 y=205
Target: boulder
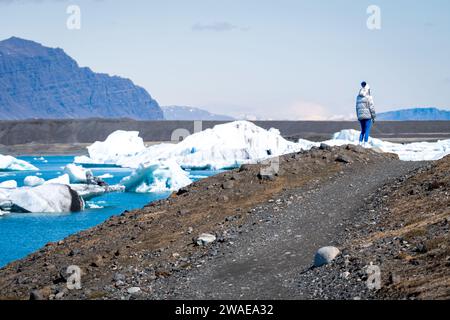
x=204 y=239
x=343 y=158
x=228 y=185
x=133 y=290
x=325 y=255
x=324 y=146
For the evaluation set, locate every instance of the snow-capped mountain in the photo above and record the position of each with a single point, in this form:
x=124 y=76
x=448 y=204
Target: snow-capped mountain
x=191 y=113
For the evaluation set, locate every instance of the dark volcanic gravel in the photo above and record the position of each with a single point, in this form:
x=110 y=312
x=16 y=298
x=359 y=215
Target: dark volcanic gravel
x=271 y=255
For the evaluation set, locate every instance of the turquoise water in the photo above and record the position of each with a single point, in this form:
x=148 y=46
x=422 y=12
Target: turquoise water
x=21 y=234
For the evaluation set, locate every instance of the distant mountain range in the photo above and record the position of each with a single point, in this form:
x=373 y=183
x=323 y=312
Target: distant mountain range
x=415 y=114
x=41 y=82
x=191 y=113
x=37 y=82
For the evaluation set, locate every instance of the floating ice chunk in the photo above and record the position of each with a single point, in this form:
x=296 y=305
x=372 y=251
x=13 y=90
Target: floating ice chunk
x=117 y=145
x=9 y=163
x=232 y=144
x=46 y=198
x=224 y=146
x=93 y=205
x=9 y=184
x=159 y=176
x=33 y=181
x=77 y=174
x=64 y=179
x=88 y=191
x=106 y=176
x=417 y=151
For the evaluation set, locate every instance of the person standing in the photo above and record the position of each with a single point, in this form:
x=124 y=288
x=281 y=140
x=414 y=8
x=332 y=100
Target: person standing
x=365 y=111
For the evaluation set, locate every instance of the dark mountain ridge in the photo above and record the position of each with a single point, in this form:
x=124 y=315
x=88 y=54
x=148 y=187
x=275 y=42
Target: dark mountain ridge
x=37 y=82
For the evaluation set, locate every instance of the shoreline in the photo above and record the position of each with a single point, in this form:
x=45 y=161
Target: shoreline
x=80 y=149
x=53 y=149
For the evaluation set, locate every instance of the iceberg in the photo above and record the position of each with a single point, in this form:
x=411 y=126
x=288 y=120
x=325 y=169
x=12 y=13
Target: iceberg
x=33 y=181
x=416 y=151
x=119 y=144
x=9 y=163
x=64 y=179
x=225 y=146
x=106 y=176
x=9 y=184
x=89 y=191
x=77 y=174
x=160 y=176
x=50 y=198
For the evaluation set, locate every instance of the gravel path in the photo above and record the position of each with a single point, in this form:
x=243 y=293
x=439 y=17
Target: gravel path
x=268 y=253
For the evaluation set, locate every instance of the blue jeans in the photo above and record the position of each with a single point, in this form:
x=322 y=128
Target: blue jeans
x=366 y=125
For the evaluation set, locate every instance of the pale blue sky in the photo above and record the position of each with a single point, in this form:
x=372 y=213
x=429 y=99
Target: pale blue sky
x=284 y=59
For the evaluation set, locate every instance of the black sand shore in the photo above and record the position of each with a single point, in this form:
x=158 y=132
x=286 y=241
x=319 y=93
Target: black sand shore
x=48 y=132
x=71 y=137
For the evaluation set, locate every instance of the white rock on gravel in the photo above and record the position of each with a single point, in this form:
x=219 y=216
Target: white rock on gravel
x=325 y=255
x=133 y=290
x=205 y=238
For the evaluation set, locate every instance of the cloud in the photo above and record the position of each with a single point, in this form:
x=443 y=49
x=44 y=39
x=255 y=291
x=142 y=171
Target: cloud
x=218 y=26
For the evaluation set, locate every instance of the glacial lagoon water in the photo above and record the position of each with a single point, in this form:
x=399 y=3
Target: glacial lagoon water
x=21 y=234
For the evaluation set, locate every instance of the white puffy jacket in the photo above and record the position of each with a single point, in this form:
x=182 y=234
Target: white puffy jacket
x=365 y=108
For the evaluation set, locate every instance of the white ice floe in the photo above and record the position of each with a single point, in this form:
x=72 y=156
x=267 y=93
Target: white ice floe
x=119 y=144
x=64 y=179
x=417 y=151
x=93 y=205
x=9 y=163
x=77 y=174
x=33 y=181
x=224 y=146
x=88 y=191
x=159 y=176
x=106 y=176
x=9 y=184
x=50 y=198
